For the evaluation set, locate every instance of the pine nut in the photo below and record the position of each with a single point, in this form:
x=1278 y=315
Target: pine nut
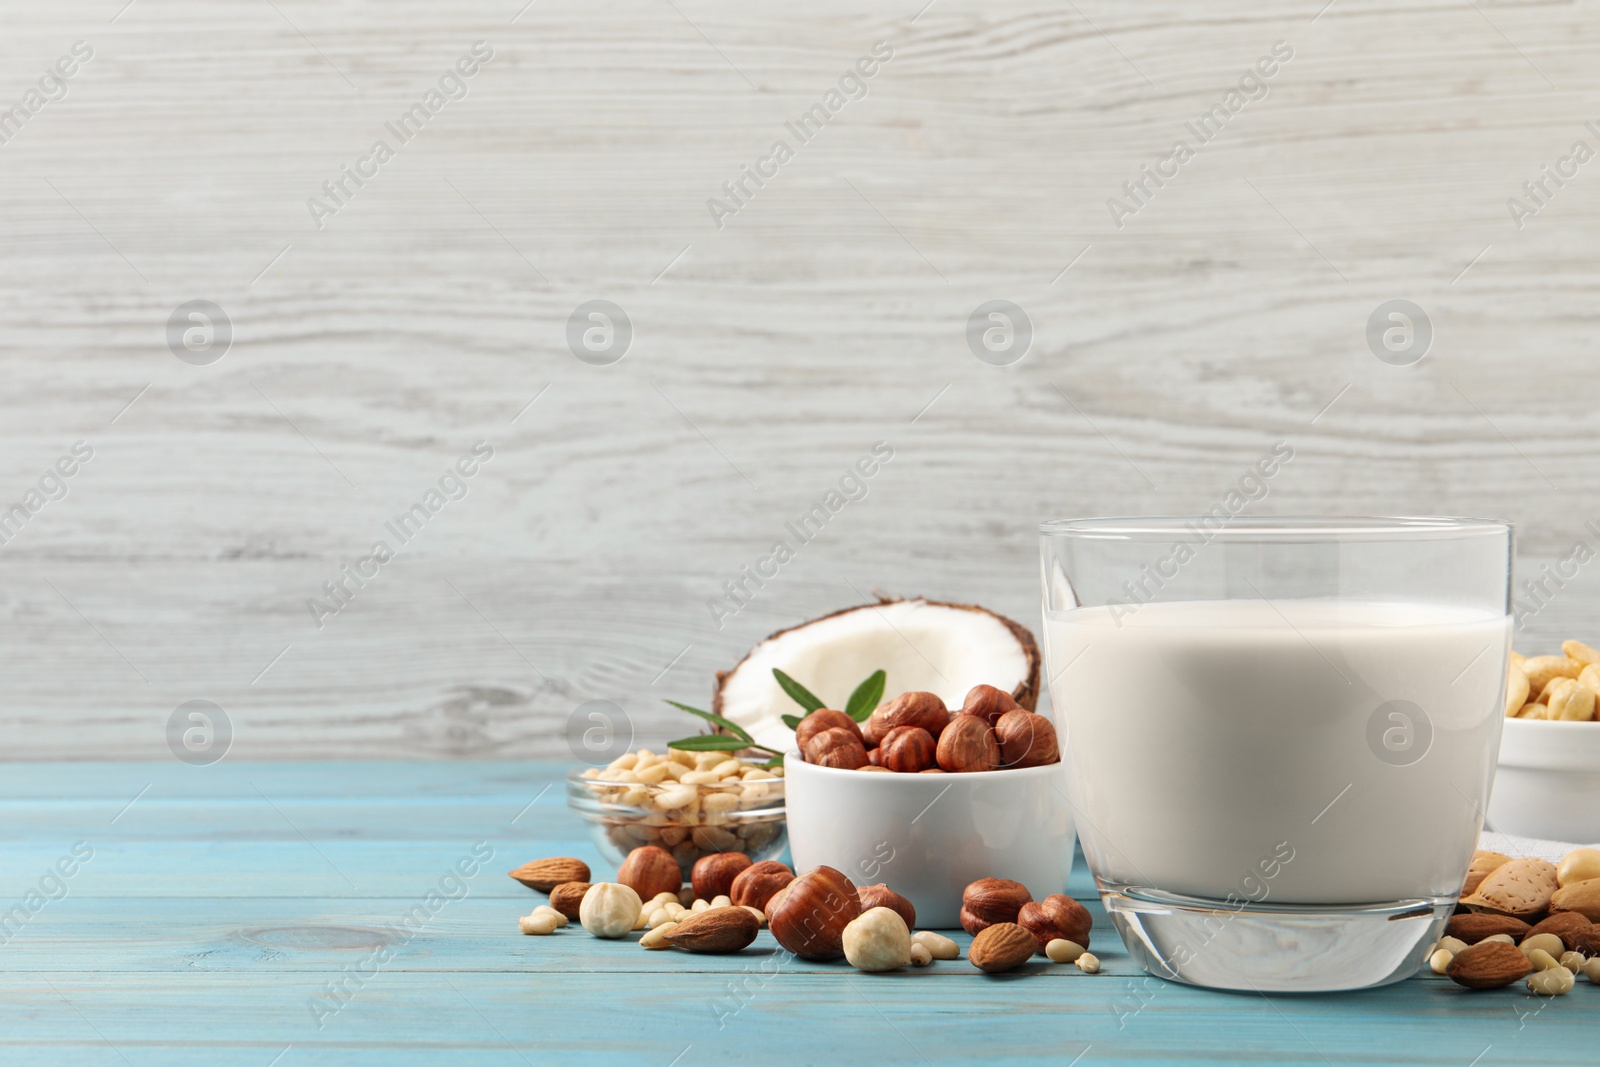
x=1551 y=983
x=939 y=946
x=1088 y=963
x=657 y=937
x=1060 y=950
x=1439 y=962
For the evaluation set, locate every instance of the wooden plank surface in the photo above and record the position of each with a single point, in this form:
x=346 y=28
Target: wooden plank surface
x=769 y=354
x=201 y=929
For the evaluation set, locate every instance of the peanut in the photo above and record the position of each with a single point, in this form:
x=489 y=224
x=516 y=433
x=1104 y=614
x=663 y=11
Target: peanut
x=1550 y=943
x=1553 y=982
x=939 y=946
x=657 y=937
x=537 y=924
x=1543 y=961
x=1060 y=950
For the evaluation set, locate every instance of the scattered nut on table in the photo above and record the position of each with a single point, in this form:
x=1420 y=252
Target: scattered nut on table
x=878 y=940
x=609 y=909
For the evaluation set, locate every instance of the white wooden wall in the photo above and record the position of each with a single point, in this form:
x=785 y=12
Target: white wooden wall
x=827 y=314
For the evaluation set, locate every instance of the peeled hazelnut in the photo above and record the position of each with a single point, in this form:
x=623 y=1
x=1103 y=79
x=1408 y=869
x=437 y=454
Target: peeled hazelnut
x=968 y=744
x=1026 y=740
x=926 y=710
x=1056 y=917
x=907 y=749
x=811 y=918
x=609 y=909
x=988 y=703
x=820 y=720
x=881 y=896
x=753 y=887
x=991 y=900
x=837 y=747
x=877 y=940
x=649 y=870
x=713 y=874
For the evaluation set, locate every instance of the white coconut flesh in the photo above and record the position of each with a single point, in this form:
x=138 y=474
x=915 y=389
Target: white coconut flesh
x=920 y=645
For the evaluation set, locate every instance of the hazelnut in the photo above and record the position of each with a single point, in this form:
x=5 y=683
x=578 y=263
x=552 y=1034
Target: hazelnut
x=881 y=896
x=713 y=874
x=875 y=756
x=820 y=720
x=754 y=886
x=777 y=898
x=988 y=703
x=609 y=909
x=926 y=710
x=907 y=749
x=877 y=940
x=968 y=744
x=837 y=747
x=1055 y=917
x=567 y=896
x=810 y=919
x=649 y=870
x=1026 y=740
x=991 y=900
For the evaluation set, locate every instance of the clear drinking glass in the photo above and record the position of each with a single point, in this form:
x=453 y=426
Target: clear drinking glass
x=1281 y=734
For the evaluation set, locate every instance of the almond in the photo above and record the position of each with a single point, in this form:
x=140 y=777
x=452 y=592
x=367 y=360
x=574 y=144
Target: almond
x=1566 y=925
x=1582 y=897
x=1472 y=926
x=726 y=929
x=1488 y=966
x=1521 y=888
x=1483 y=862
x=1006 y=945
x=544 y=875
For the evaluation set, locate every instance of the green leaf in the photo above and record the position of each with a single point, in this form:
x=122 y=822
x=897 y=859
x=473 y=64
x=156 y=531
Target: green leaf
x=775 y=761
x=792 y=721
x=709 y=743
x=801 y=695
x=727 y=724
x=866 y=697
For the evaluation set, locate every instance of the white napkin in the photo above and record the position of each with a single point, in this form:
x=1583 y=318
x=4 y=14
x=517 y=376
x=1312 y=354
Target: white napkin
x=1516 y=847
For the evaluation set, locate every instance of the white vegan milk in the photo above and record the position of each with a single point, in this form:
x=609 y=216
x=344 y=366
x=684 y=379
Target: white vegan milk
x=1305 y=752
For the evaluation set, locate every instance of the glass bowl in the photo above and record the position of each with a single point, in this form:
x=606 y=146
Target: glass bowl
x=688 y=821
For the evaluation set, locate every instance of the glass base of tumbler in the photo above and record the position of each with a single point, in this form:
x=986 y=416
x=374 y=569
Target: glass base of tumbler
x=1275 y=948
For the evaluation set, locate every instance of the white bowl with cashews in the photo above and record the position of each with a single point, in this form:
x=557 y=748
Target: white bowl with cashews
x=1548 y=781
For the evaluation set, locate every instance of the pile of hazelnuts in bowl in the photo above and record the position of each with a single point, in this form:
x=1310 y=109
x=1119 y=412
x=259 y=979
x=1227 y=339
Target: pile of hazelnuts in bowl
x=915 y=733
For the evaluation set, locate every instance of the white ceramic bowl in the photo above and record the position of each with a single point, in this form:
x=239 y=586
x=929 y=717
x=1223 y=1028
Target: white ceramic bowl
x=1548 y=784
x=927 y=836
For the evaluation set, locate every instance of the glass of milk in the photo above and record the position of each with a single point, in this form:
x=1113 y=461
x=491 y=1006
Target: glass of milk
x=1280 y=734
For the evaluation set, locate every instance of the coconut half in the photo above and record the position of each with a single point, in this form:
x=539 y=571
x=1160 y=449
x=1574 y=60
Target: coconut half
x=920 y=645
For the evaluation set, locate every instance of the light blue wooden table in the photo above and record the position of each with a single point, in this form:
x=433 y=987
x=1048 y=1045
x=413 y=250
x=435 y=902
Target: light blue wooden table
x=219 y=906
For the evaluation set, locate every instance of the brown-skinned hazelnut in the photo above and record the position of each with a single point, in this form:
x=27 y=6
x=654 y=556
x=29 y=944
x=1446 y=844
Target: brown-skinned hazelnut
x=926 y=710
x=991 y=900
x=967 y=744
x=1026 y=740
x=649 y=870
x=1056 y=916
x=811 y=918
x=881 y=896
x=875 y=756
x=837 y=747
x=713 y=874
x=908 y=749
x=755 y=885
x=820 y=720
x=988 y=703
